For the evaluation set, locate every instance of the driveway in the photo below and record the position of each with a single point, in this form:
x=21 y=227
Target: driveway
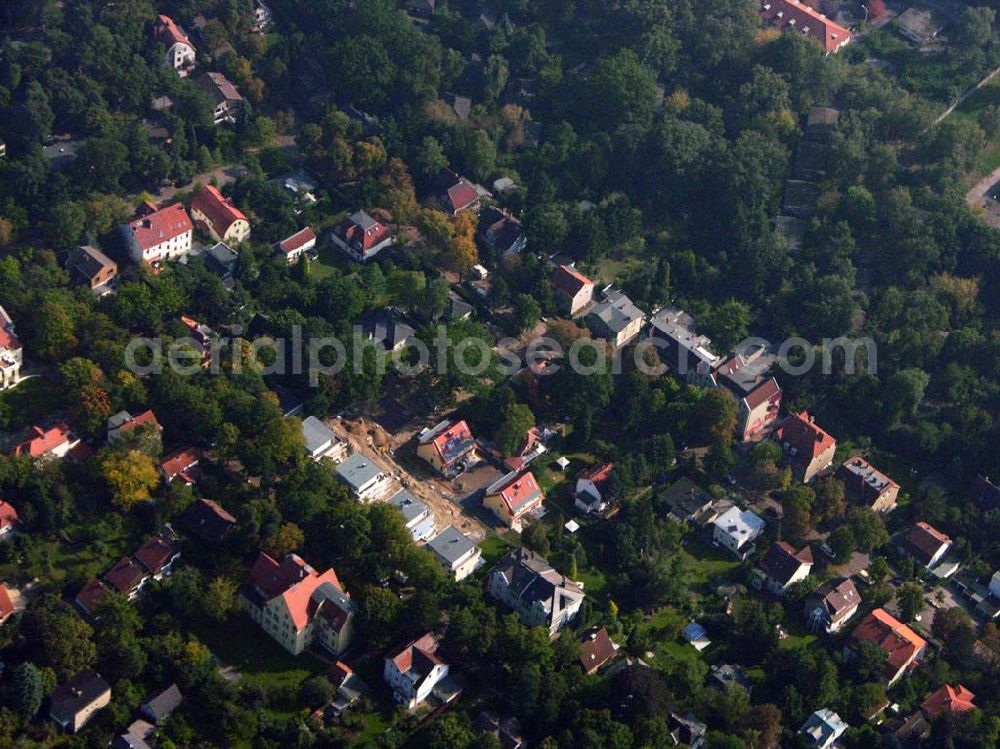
x=222 y=175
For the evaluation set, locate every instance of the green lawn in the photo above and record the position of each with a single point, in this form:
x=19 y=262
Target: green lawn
x=59 y=562
x=493 y=547
x=798 y=635
x=704 y=563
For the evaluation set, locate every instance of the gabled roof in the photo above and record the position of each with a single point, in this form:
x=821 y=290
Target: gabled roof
x=170 y=34
x=361 y=232
x=8 y=341
x=217 y=209
x=516 y=491
x=155 y=554
x=948 y=699
x=78 y=693
x=762 y=393
x=297 y=583
x=161 y=225
x=450 y=440
x=8 y=515
x=123 y=421
x=180 y=463
x=297 y=241
x=838 y=596
x=781 y=561
x=126 y=575
x=217 y=86
x=419 y=657
x=159 y=706
x=597 y=473
x=801 y=432
x=208 y=519
x=87 y=261
x=596 y=649
x=91 y=596
x=42 y=441
x=923 y=542
x=900 y=643
x=863 y=478
x=569 y=280
x=799 y=17
x=6 y=605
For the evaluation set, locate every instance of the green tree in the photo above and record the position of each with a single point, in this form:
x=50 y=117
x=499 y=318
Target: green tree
x=910 y=598
x=527 y=312
x=219 y=599
x=518 y=418
x=26 y=689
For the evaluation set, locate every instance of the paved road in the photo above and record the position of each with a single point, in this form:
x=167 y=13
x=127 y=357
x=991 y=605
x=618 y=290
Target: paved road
x=223 y=176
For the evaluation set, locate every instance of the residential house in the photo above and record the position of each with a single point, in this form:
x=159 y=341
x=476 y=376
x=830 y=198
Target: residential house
x=363 y=477
x=456 y=194
x=597 y=649
x=222 y=259
x=737 y=530
x=821 y=122
x=587 y=495
x=139 y=735
x=948 y=700
x=747 y=376
x=297 y=245
x=530 y=449
x=447 y=447
x=831 y=605
x=298 y=606
x=924 y=544
x=456 y=552
x=73 y=704
x=910 y=732
x=724 y=674
x=797 y=17
x=686 y=729
x=903 y=647
x=8 y=520
x=89 y=266
x=615 y=318
x=322 y=441
x=90 y=598
x=262 y=17
x=415 y=671
x=10 y=352
x=687 y=501
x=782 y=567
x=180 y=53
x=201 y=337
x=159 y=706
x=123 y=422
x=501 y=232
x=574 y=291
x=218 y=216
x=809 y=448
x=127 y=577
x=512 y=497
x=225 y=97
x=46 y=444
x=687 y=354
x=696 y=636
x=416 y=515
x=506 y=730
x=822 y=729
x=541 y=596
x=181 y=466
x=383 y=326
x=7 y=607
x=461 y=106
x=919 y=24
x=866 y=485
x=208 y=521
x=300 y=186
x=350 y=687
x=361 y=237
x=158 y=234
x=157 y=557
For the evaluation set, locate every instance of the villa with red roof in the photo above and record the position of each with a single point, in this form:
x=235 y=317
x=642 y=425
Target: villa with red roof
x=574 y=291
x=948 y=699
x=297 y=245
x=793 y=16
x=180 y=51
x=54 y=442
x=361 y=236
x=810 y=448
x=903 y=647
x=217 y=215
x=8 y=520
x=456 y=194
x=123 y=422
x=159 y=234
x=512 y=497
x=781 y=567
x=10 y=603
x=414 y=671
x=181 y=466
x=10 y=352
x=298 y=606
x=587 y=495
x=446 y=446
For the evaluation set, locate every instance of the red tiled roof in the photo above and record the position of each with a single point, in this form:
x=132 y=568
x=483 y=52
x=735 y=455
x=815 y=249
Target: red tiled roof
x=338 y=672
x=126 y=575
x=361 y=231
x=8 y=340
x=419 y=653
x=218 y=210
x=796 y=16
x=6 y=606
x=569 y=280
x=461 y=195
x=8 y=515
x=298 y=240
x=91 y=596
x=160 y=225
x=146 y=417
x=520 y=493
x=900 y=643
x=179 y=462
x=43 y=441
x=170 y=34
x=597 y=472
x=802 y=433
x=948 y=699
x=154 y=554
x=458 y=433
x=293 y=580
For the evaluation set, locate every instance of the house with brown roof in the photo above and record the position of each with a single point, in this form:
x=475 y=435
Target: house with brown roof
x=226 y=98
x=447 y=447
x=782 y=567
x=157 y=556
x=181 y=466
x=747 y=375
x=159 y=234
x=512 y=497
x=297 y=606
x=91 y=267
x=127 y=577
x=180 y=53
x=10 y=352
x=924 y=544
x=809 y=448
x=540 y=595
x=499 y=231
x=415 y=671
x=216 y=214
x=122 y=423
x=48 y=444
x=11 y=602
x=866 y=485
x=574 y=291
x=90 y=598
x=903 y=647
x=361 y=237
x=456 y=194
x=294 y=247
x=948 y=700
x=208 y=520
x=831 y=605
x=597 y=649
x=9 y=520
x=796 y=17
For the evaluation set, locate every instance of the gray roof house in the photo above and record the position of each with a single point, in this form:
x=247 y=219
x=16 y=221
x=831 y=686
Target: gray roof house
x=823 y=729
x=321 y=441
x=539 y=594
x=417 y=516
x=222 y=259
x=616 y=318
x=364 y=477
x=456 y=552
x=74 y=703
x=384 y=327
x=159 y=707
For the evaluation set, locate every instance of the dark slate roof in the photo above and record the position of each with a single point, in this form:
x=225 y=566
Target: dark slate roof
x=159 y=707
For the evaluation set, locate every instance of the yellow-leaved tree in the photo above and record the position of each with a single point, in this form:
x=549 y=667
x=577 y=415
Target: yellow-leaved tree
x=130 y=474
